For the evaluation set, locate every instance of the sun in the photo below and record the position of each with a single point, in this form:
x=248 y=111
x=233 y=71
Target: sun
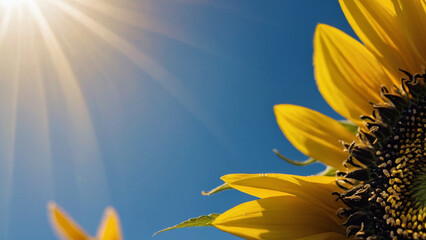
x=11 y=4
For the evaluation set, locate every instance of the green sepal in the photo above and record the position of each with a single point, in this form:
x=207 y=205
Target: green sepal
x=328 y=171
x=201 y=221
x=220 y=188
x=297 y=163
x=350 y=126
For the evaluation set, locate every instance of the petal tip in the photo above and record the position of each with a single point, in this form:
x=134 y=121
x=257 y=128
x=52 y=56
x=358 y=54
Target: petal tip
x=110 y=211
x=322 y=27
x=280 y=108
x=51 y=206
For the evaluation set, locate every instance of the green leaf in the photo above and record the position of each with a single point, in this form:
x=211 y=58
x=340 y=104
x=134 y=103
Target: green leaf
x=201 y=221
x=220 y=188
x=349 y=125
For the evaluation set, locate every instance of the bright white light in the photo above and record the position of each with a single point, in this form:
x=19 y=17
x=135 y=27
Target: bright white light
x=9 y=4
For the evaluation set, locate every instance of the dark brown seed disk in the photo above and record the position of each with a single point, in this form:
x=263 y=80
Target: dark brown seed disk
x=385 y=185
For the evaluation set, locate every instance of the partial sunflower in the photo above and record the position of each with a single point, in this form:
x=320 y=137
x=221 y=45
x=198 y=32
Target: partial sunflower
x=67 y=229
x=380 y=190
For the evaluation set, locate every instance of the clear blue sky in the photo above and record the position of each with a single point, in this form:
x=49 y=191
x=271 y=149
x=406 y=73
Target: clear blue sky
x=162 y=138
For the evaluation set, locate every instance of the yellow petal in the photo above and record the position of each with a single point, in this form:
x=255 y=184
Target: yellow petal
x=64 y=225
x=412 y=19
x=347 y=74
x=315 y=189
x=314 y=134
x=376 y=24
x=280 y=218
x=110 y=228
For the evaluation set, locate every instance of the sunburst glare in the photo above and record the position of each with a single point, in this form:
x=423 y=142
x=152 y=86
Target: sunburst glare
x=9 y=4
x=43 y=44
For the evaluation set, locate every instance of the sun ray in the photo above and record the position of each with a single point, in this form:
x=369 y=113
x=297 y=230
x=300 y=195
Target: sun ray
x=89 y=165
x=8 y=128
x=154 y=69
x=4 y=25
x=143 y=21
x=150 y=66
x=41 y=116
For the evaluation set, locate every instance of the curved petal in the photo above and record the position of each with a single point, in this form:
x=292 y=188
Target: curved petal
x=280 y=218
x=110 y=228
x=412 y=18
x=313 y=133
x=347 y=74
x=376 y=25
x=64 y=225
x=315 y=189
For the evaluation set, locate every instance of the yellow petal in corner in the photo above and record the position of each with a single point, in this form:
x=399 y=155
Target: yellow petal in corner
x=412 y=15
x=68 y=229
x=376 y=24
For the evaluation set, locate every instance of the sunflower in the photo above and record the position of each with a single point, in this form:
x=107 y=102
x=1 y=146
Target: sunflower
x=379 y=191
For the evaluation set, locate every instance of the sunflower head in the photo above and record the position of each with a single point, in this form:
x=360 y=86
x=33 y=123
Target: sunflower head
x=385 y=188
x=381 y=185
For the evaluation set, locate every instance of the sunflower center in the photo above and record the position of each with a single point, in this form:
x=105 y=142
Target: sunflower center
x=420 y=189
x=385 y=188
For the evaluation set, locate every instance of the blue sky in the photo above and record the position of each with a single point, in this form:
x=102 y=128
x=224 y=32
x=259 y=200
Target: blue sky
x=158 y=138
